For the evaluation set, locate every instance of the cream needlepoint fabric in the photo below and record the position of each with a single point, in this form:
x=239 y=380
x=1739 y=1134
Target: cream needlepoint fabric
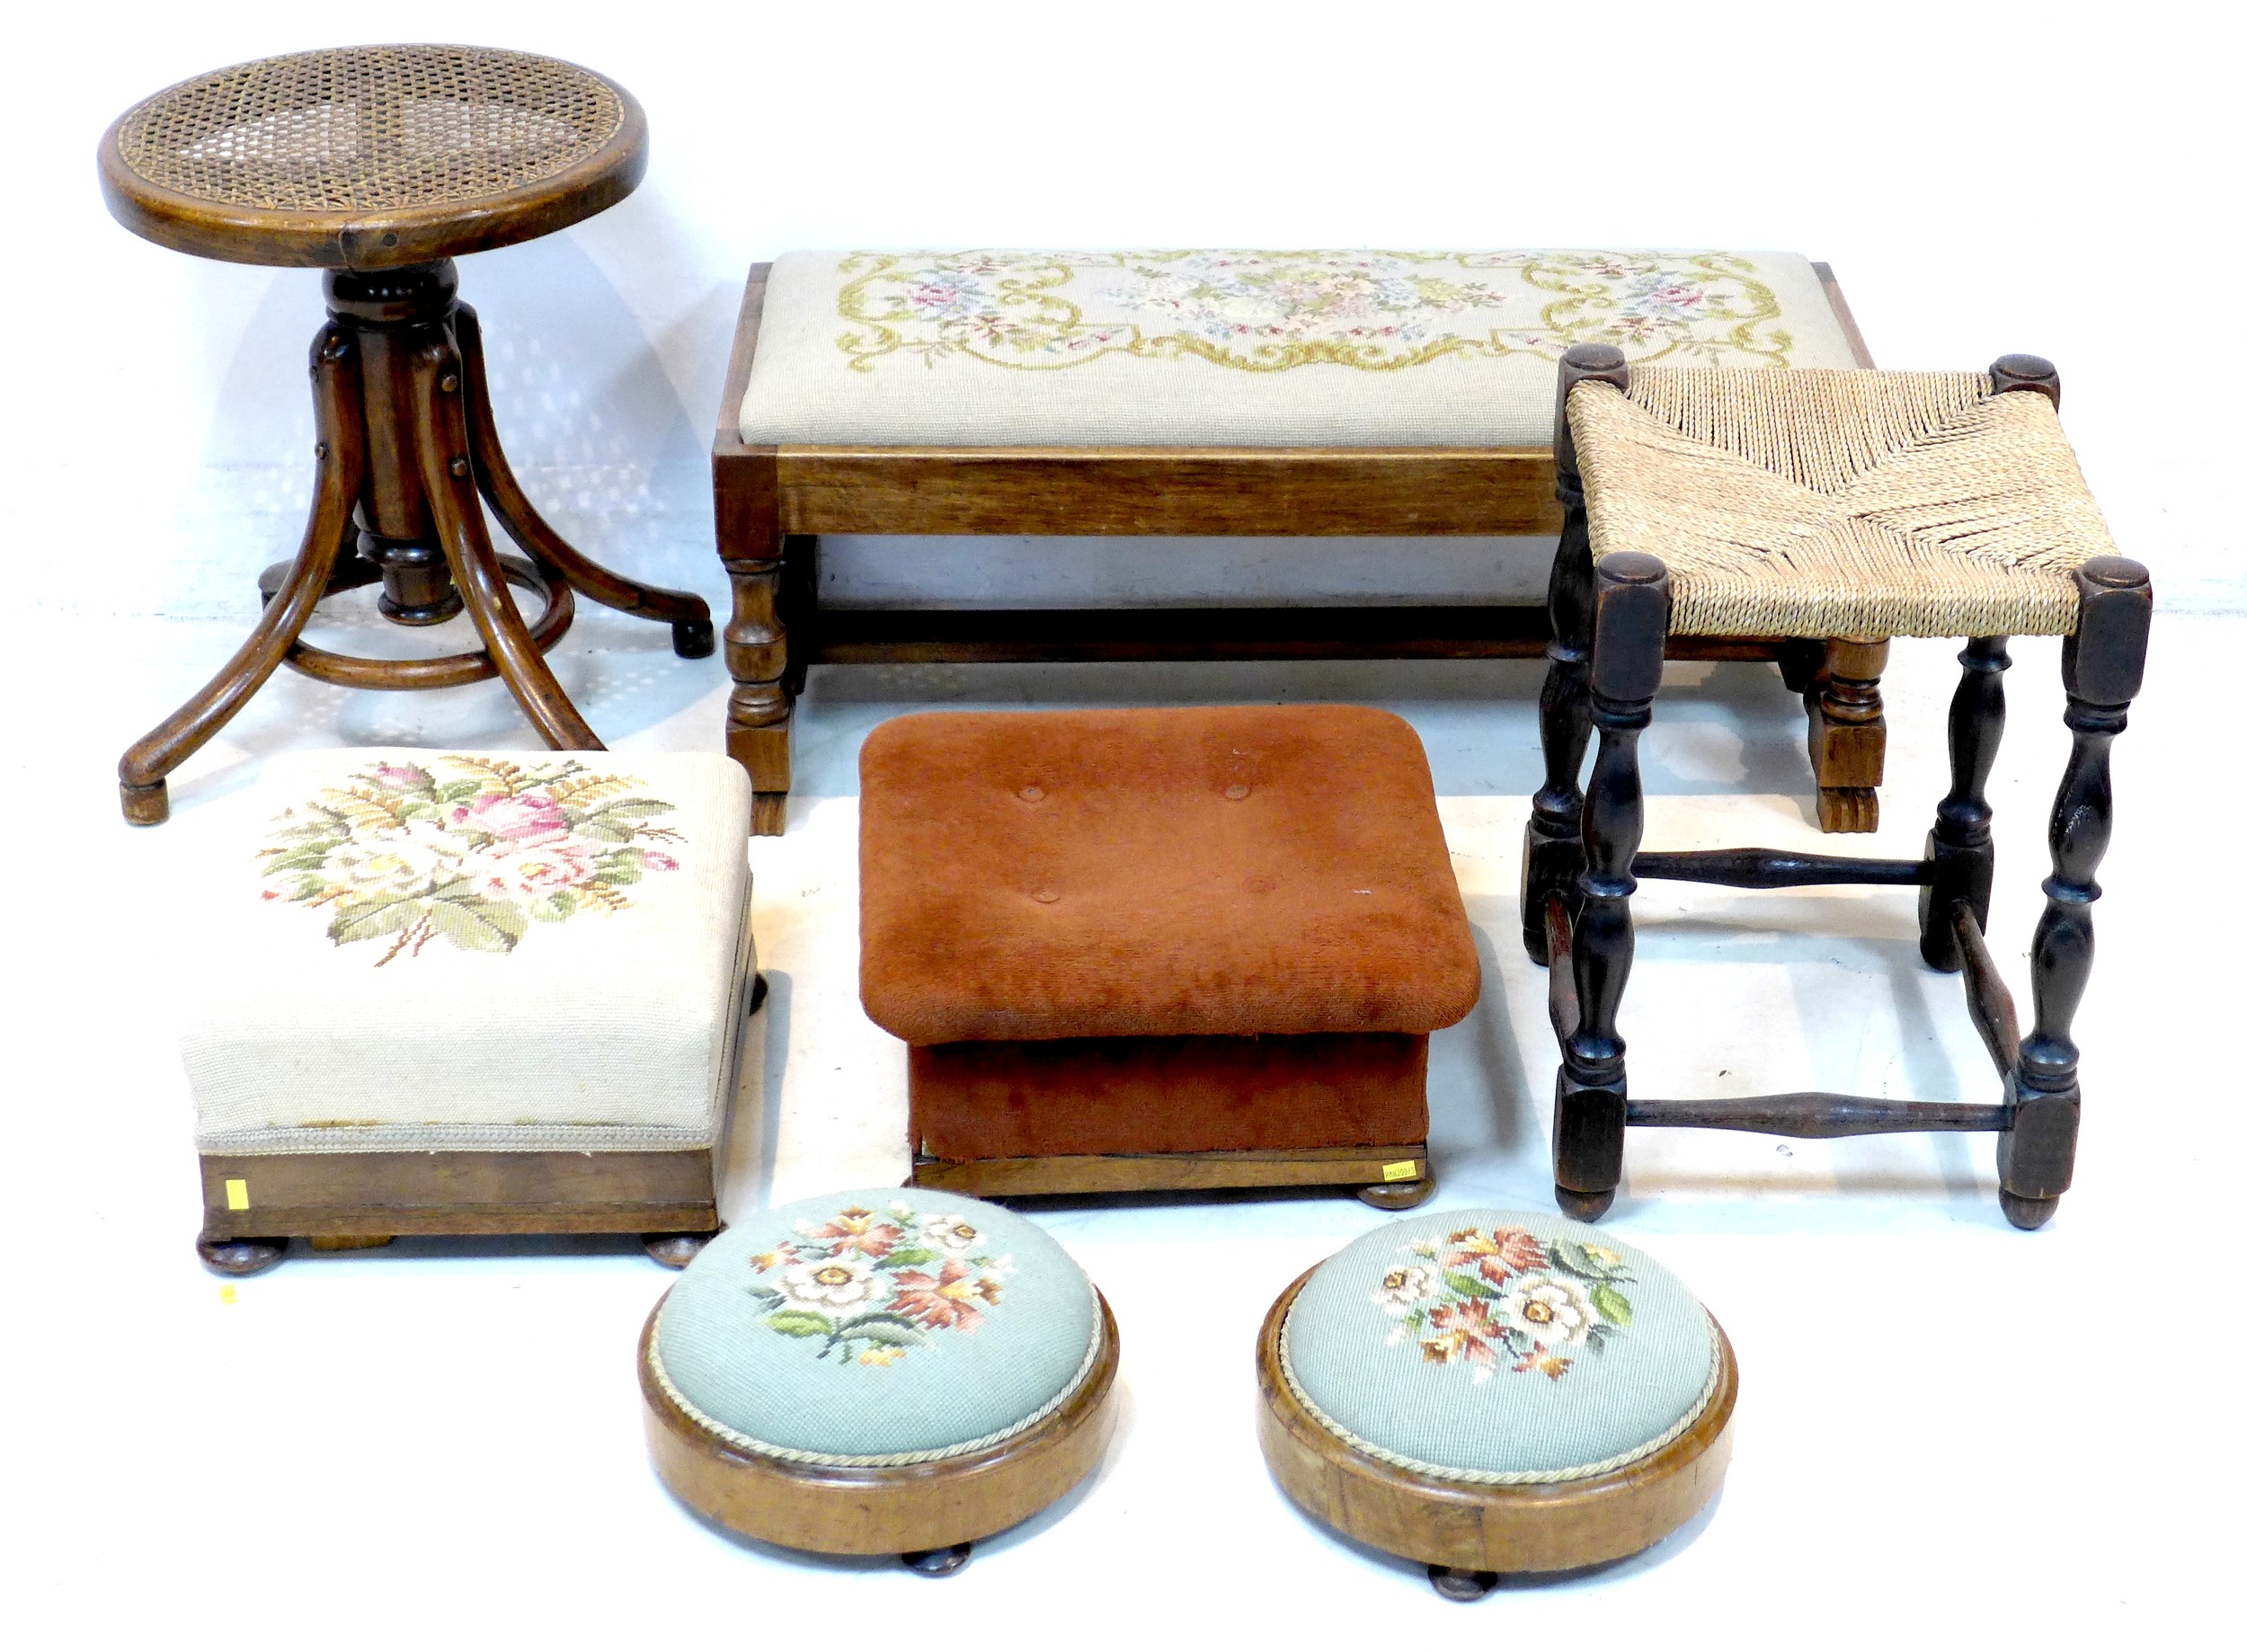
x=1840 y=504
x=1234 y=348
x=473 y=950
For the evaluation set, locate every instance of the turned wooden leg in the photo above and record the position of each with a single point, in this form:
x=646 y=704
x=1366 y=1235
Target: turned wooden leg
x=342 y=459
x=2101 y=667
x=1551 y=846
x=1630 y=625
x=687 y=615
x=759 y=713
x=1964 y=861
x=448 y=480
x=1849 y=738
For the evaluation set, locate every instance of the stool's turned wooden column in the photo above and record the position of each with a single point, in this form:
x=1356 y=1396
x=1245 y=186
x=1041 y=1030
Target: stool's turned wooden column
x=2102 y=666
x=1962 y=860
x=1552 y=850
x=1590 y=1105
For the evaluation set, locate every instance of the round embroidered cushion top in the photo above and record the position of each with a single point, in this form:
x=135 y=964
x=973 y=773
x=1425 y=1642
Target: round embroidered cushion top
x=876 y=1327
x=1497 y=1347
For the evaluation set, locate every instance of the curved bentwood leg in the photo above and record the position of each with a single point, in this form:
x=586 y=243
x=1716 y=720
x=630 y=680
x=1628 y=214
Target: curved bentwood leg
x=693 y=637
x=341 y=462
x=2101 y=667
x=447 y=477
x=1631 y=625
x=1551 y=847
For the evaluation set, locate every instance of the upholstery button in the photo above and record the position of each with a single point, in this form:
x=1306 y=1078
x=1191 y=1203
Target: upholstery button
x=1236 y=792
x=1045 y=896
x=1031 y=794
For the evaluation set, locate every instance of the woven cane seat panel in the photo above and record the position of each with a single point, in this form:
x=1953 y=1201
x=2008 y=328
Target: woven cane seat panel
x=1498 y=1347
x=1214 y=871
x=1243 y=348
x=427 y=136
x=1840 y=504
x=415 y=950
x=876 y=1327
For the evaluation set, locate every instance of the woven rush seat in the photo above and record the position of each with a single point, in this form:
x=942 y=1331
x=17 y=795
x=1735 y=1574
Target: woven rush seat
x=865 y=1373
x=1231 y=347
x=463 y=992
x=1212 y=932
x=1840 y=504
x=1487 y=1391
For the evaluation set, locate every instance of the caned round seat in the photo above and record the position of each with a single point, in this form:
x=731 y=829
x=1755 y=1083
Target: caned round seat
x=1487 y=1392
x=869 y=1373
x=368 y=158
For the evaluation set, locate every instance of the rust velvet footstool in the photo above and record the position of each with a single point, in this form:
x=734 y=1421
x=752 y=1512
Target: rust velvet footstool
x=1162 y=948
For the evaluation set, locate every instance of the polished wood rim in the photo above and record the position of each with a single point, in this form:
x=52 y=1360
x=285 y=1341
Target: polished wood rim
x=1552 y=1528
x=905 y=1509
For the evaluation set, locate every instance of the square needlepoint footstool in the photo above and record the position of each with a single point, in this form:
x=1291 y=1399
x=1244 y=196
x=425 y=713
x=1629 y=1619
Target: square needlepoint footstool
x=472 y=993
x=1162 y=948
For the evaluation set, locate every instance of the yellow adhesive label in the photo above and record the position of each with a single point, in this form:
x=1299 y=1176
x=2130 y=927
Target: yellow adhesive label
x=226 y=1295
x=1403 y=1170
x=237 y=1194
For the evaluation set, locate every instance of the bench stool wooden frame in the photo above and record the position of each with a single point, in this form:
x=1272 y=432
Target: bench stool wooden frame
x=1581 y=861
x=1469 y=1535
x=773 y=501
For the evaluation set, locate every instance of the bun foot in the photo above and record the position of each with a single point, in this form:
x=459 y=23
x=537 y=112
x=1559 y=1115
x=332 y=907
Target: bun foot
x=1398 y=1195
x=1455 y=1584
x=938 y=1562
x=2027 y=1214
x=674 y=1249
x=145 y=805
x=239 y=1258
x=759 y=990
x=694 y=639
x=1582 y=1206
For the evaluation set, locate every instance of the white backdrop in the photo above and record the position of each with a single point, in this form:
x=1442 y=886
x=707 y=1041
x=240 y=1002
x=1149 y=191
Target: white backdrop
x=1984 y=178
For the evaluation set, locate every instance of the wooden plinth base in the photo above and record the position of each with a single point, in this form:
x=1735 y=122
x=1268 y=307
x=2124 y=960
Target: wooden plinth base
x=253 y=1204
x=927 y=1511
x=1466 y=1529
x=1390 y=1178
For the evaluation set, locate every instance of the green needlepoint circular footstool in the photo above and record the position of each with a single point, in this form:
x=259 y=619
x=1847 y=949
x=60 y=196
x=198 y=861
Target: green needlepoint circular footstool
x=1490 y=1392
x=874 y=1372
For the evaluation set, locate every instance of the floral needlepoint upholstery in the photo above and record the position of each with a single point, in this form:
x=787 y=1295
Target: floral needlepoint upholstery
x=1230 y=347
x=1499 y=1348
x=421 y=949
x=880 y=1327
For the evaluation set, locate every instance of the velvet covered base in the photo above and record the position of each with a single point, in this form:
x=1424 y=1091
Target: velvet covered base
x=1004 y=1099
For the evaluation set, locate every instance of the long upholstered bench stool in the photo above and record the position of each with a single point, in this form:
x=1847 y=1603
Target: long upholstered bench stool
x=1909 y=504
x=1209 y=393
x=1162 y=948
x=462 y=992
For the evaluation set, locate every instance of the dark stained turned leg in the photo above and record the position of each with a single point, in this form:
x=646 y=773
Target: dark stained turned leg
x=1551 y=847
x=1630 y=625
x=939 y=1562
x=2101 y=667
x=1965 y=861
x=1849 y=736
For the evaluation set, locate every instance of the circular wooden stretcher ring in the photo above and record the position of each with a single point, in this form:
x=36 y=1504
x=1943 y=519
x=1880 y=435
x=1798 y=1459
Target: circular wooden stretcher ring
x=914 y=1510
x=1464 y=1527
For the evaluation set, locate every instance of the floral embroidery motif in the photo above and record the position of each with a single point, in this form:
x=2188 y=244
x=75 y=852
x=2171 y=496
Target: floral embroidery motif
x=1478 y=1298
x=1267 y=312
x=474 y=850
x=874 y=1284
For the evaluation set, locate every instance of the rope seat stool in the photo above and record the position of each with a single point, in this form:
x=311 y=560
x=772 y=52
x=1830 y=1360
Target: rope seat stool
x=381 y=165
x=1847 y=503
